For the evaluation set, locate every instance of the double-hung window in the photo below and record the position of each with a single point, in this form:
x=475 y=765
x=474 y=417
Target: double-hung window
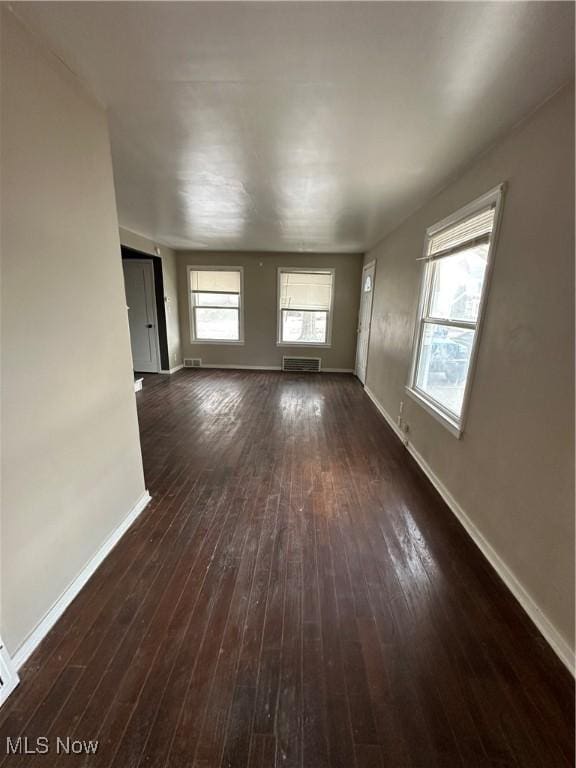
x=305 y=298
x=215 y=299
x=457 y=259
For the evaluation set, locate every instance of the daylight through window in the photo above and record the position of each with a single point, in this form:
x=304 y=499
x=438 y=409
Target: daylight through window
x=457 y=256
x=305 y=306
x=215 y=304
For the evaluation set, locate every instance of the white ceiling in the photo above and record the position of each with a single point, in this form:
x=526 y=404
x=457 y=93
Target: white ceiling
x=301 y=126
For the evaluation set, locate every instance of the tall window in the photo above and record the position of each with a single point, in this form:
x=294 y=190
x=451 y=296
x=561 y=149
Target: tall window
x=305 y=306
x=215 y=304
x=457 y=257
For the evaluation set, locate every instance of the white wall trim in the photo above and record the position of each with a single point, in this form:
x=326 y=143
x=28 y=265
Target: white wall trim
x=172 y=370
x=46 y=624
x=241 y=367
x=8 y=674
x=337 y=370
x=266 y=368
x=535 y=613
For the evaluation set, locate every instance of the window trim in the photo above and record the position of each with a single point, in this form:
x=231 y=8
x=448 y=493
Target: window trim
x=200 y=268
x=454 y=424
x=311 y=270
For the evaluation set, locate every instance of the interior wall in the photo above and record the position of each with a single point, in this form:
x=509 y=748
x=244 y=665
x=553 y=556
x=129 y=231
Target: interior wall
x=512 y=472
x=169 y=274
x=260 y=308
x=71 y=461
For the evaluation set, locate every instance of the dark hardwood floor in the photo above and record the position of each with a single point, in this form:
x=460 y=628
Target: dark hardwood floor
x=296 y=594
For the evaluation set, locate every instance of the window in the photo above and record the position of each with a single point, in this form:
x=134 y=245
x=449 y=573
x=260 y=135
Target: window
x=305 y=306
x=457 y=258
x=215 y=296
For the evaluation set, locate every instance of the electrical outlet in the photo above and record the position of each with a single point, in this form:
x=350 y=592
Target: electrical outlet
x=400 y=419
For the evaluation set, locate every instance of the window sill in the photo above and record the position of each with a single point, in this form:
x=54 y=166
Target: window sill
x=451 y=425
x=302 y=344
x=217 y=341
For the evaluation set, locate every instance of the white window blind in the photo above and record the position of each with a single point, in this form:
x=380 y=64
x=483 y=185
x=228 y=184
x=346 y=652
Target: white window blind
x=474 y=229
x=306 y=290
x=214 y=281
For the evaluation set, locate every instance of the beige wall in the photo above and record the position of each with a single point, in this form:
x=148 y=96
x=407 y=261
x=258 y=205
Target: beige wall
x=512 y=472
x=260 y=313
x=169 y=274
x=71 y=463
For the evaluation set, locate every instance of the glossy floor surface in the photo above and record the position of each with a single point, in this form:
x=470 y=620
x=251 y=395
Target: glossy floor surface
x=296 y=594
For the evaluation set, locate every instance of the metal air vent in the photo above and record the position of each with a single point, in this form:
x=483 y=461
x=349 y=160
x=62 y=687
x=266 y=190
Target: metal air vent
x=309 y=364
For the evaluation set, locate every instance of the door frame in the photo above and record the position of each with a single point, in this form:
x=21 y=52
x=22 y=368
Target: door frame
x=369 y=265
x=148 y=260
x=8 y=674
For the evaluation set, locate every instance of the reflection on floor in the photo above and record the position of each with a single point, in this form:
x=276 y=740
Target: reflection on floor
x=295 y=595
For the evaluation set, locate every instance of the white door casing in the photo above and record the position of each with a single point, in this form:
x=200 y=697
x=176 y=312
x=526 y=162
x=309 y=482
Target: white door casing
x=141 y=303
x=364 y=320
x=8 y=676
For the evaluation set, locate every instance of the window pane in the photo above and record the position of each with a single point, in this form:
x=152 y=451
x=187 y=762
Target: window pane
x=215 y=280
x=457 y=284
x=216 y=299
x=216 y=324
x=305 y=290
x=443 y=364
x=304 y=327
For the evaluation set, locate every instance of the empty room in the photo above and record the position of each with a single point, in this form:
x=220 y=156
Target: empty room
x=287 y=384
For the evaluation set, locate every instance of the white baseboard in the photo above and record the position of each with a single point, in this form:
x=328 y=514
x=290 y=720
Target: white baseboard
x=546 y=628
x=337 y=370
x=270 y=368
x=172 y=370
x=42 y=629
x=8 y=676
x=243 y=367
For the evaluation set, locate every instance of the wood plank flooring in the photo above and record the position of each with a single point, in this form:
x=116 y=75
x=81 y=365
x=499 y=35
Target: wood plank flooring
x=296 y=594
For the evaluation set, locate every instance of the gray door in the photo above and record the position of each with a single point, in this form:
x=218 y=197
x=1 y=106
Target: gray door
x=141 y=301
